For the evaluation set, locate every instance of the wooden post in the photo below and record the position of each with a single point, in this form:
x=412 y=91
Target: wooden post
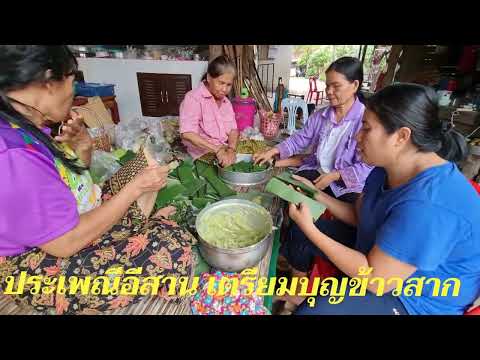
x=392 y=64
x=214 y=51
x=364 y=52
x=360 y=52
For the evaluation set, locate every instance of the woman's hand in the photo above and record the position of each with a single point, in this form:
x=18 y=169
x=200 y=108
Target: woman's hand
x=165 y=212
x=152 y=178
x=323 y=181
x=75 y=134
x=301 y=215
x=226 y=156
x=263 y=157
x=230 y=158
x=304 y=181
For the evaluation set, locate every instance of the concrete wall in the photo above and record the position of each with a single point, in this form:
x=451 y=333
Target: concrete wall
x=282 y=63
x=123 y=73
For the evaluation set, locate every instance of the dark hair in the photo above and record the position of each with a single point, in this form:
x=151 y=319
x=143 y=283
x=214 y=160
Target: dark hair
x=23 y=65
x=218 y=67
x=351 y=68
x=416 y=107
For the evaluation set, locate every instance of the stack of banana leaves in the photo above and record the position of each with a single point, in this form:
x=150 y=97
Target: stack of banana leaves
x=192 y=186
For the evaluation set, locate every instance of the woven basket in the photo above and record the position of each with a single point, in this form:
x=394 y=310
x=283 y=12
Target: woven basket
x=102 y=141
x=270 y=125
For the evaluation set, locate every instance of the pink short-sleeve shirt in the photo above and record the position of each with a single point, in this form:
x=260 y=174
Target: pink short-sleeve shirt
x=199 y=113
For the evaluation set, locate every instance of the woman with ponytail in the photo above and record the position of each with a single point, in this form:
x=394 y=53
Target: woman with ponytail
x=53 y=219
x=418 y=216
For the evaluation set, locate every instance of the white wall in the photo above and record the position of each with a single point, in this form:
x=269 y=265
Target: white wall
x=123 y=73
x=282 y=63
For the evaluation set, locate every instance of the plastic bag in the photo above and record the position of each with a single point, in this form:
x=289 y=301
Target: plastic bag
x=252 y=134
x=170 y=126
x=103 y=166
x=130 y=134
x=103 y=137
x=158 y=148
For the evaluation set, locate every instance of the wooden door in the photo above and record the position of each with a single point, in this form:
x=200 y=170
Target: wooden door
x=162 y=94
x=177 y=85
x=151 y=88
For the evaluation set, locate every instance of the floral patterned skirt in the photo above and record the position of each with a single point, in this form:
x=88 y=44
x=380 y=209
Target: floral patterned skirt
x=158 y=246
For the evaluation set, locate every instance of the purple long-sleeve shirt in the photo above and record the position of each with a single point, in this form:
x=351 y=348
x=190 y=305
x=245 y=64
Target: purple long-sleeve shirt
x=352 y=170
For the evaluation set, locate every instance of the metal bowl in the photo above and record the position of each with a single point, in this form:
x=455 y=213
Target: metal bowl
x=245 y=179
x=233 y=260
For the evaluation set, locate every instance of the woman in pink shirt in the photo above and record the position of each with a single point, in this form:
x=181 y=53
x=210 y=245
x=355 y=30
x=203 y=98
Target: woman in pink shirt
x=207 y=120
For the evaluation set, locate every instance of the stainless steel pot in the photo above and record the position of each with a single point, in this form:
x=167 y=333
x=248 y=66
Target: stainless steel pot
x=245 y=179
x=234 y=260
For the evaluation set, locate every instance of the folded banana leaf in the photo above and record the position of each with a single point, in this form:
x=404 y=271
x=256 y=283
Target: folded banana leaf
x=201 y=202
x=194 y=186
x=174 y=174
x=279 y=188
x=287 y=177
x=185 y=173
x=210 y=174
x=212 y=195
x=200 y=167
x=169 y=193
x=242 y=166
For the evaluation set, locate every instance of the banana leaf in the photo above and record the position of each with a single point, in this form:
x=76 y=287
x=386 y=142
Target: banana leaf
x=185 y=173
x=200 y=167
x=174 y=174
x=169 y=193
x=201 y=202
x=279 y=188
x=210 y=174
x=242 y=166
x=188 y=161
x=194 y=186
x=257 y=168
x=128 y=155
x=119 y=153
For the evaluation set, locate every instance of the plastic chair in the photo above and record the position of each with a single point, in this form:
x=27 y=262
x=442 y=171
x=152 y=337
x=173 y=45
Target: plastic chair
x=312 y=83
x=292 y=105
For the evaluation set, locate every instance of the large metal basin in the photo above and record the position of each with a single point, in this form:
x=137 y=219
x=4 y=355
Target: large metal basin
x=234 y=260
x=245 y=179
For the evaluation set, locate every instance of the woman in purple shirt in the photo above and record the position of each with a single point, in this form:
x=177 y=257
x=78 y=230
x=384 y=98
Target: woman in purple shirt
x=52 y=220
x=334 y=165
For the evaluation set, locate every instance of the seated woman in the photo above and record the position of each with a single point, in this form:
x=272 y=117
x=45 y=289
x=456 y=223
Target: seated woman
x=418 y=216
x=334 y=165
x=53 y=219
x=207 y=120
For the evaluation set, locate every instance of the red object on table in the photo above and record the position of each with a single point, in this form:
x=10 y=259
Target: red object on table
x=312 y=82
x=452 y=85
x=244 y=110
x=109 y=102
x=475 y=185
